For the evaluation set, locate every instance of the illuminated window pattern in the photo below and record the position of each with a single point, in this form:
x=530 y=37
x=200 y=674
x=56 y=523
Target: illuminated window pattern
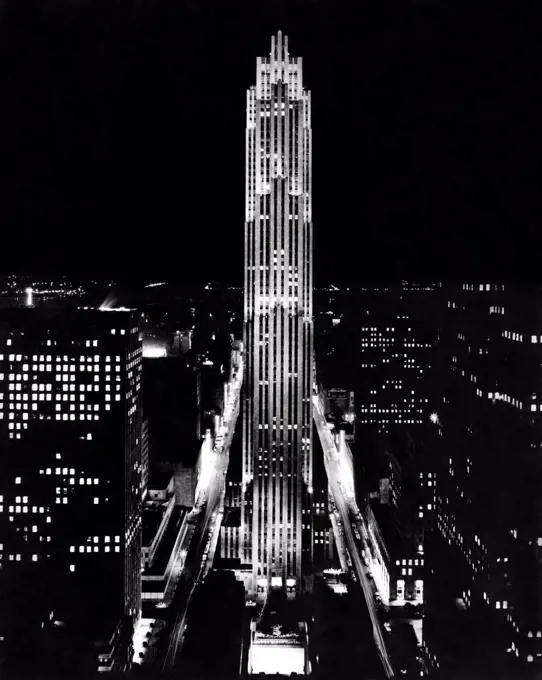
x=278 y=325
x=67 y=392
x=25 y=392
x=494 y=339
x=395 y=347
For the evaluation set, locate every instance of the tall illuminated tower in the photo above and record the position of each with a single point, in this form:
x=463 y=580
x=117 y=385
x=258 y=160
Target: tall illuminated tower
x=276 y=531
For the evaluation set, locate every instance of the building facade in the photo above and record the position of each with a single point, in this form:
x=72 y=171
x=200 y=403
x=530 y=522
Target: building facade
x=145 y=462
x=71 y=472
x=278 y=324
x=397 y=340
x=379 y=342
x=487 y=438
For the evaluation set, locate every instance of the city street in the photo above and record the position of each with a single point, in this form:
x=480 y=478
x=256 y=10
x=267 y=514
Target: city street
x=208 y=521
x=355 y=545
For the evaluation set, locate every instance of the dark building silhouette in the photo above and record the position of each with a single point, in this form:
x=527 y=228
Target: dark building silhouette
x=170 y=402
x=70 y=479
x=485 y=442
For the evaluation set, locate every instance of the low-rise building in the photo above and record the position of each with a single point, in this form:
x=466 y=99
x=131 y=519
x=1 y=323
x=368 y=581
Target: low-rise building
x=157 y=511
x=164 y=530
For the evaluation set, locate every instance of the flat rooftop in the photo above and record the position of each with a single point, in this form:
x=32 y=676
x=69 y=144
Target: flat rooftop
x=163 y=552
x=153 y=513
x=77 y=318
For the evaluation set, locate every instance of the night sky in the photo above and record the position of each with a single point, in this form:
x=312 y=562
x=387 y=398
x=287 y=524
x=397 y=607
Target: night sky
x=122 y=136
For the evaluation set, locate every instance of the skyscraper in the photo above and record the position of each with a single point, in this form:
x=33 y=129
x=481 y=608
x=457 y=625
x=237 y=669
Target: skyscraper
x=70 y=477
x=485 y=446
x=278 y=324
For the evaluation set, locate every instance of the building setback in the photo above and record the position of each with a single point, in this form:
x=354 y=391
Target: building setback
x=71 y=474
x=278 y=324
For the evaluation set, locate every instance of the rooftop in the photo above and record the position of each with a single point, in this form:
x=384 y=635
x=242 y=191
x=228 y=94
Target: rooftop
x=153 y=512
x=67 y=323
x=163 y=552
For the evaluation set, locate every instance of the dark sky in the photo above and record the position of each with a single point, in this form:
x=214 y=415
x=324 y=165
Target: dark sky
x=122 y=135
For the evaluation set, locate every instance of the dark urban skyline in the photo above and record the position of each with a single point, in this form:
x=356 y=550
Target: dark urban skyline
x=389 y=483
x=123 y=133
x=433 y=452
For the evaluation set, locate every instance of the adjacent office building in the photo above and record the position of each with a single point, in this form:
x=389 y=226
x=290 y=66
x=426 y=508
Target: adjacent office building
x=71 y=475
x=171 y=408
x=380 y=342
x=397 y=339
x=487 y=441
x=278 y=324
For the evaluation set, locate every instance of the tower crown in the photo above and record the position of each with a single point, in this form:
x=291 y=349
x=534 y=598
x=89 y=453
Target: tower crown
x=279 y=49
